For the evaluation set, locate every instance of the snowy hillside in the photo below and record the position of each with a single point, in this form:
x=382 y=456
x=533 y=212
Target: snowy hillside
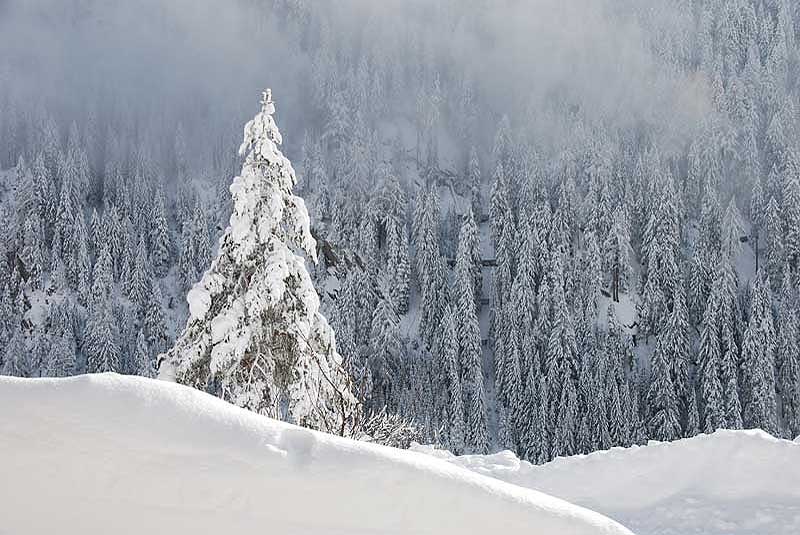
x=111 y=454
x=728 y=483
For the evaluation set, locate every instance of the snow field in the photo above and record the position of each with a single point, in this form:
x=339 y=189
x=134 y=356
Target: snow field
x=115 y=454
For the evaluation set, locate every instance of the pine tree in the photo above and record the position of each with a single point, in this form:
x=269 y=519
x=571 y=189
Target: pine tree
x=677 y=346
x=757 y=213
x=62 y=355
x=791 y=218
x=562 y=372
x=566 y=426
x=532 y=433
x=663 y=423
x=284 y=354
x=79 y=264
x=787 y=356
x=385 y=344
x=115 y=236
x=545 y=433
x=102 y=344
x=430 y=269
x=398 y=262
x=452 y=375
x=202 y=244
x=32 y=255
x=16 y=357
x=67 y=211
x=498 y=203
x=617 y=423
x=161 y=243
x=732 y=230
x=523 y=302
x=617 y=254
x=6 y=313
x=709 y=357
x=470 y=357
x=39 y=354
x=143 y=364
x=730 y=385
x=187 y=269
x=775 y=246
x=102 y=275
x=475 y=184
x=591 y=277
x=468 y=255
x=511 y=388
x=139 y=284
x=154 y=320
x=97 y=232
x=758 y=362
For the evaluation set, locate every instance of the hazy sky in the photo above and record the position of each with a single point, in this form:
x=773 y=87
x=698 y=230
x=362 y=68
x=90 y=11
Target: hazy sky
x=210 y=57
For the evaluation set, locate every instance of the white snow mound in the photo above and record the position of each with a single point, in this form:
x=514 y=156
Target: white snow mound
x=727 y=483
x=111 y=454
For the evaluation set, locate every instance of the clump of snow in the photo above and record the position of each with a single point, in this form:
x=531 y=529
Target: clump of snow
x=112 y=454
x=730 y=482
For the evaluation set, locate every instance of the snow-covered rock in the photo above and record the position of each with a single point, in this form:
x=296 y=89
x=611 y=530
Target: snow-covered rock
x=111 y=454
x=727 y=483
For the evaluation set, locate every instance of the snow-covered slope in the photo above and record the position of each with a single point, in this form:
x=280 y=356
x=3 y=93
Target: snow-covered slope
x=731 y=483
x=110 y=454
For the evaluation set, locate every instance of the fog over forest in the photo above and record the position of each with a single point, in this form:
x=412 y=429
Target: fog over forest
x=197 y=61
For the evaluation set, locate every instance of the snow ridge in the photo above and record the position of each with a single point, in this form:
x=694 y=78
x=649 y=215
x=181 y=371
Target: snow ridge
x=166 y=458
x=728 y=482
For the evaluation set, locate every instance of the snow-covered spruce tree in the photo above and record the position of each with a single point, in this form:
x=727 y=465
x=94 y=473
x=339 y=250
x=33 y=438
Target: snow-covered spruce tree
x=710 y=385
x=142 y=363
x=468 y=254
x=758 y=362
x=470 y=357
x=255 y=335
x=787 y=355
x=385 y=344
x=452 y=368
x=663 y=421
x=617 y=254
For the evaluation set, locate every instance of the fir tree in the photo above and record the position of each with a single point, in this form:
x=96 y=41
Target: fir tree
x=398 y=261
x=284 y=355
x=663 y=422
x=102 y=275
x=385 y=344
x=710 y=384
x=775 y=245
x=470 y=357
x=616 y=254
x=138 y=286
x=758 y=362
x=16 y=357
x=787 y=356
x=143 y=364
x=102 y=344
x=161 y=244
x=32 y=255
x=791 y=218
x=454 y=395
x=154 y=320
x=468 y=255
x=475 y=184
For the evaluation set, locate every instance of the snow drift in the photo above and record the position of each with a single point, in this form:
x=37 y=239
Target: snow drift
x=730 y=482
x=110 y=454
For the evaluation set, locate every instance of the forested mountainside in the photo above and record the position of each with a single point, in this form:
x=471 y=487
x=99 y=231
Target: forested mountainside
x=543 y=227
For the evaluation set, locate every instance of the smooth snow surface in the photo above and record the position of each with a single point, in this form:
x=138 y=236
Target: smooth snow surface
x=110 y=454
x=728 y=483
